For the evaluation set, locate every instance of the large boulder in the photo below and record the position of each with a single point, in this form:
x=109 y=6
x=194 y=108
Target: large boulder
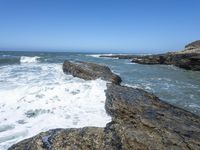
x=90 y=71
x=140 y=120
x=143 y=121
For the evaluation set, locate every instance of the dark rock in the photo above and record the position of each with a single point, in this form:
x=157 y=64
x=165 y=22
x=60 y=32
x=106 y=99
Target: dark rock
x=150 y=59
x=189 y=61
x=90 y=71
x=187 y=58
x=119 y=56
x=139 y=121
x=193 y=45
x=142 y=121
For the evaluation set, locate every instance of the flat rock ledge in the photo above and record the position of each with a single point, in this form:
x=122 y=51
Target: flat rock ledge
x=90 y=71
x=140 y=121
x=188 y=59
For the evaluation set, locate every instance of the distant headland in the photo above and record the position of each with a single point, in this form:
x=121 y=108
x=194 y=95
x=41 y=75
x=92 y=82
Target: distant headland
x=188 y=58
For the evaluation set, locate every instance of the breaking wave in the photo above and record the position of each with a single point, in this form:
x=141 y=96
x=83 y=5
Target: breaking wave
x=38 y=97
x=25 y=59
x=9 y=59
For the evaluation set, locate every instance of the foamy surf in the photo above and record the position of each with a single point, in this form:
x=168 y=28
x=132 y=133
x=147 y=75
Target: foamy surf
x=94 y=55
x=42 y=97
x=25 y=59
x=99 y=56
x=37 y=93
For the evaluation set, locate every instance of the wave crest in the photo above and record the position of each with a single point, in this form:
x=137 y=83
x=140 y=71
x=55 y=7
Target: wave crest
x=25 y=59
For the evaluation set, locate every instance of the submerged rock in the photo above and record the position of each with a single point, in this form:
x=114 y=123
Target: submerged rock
x=139 y=121
x=90 y=71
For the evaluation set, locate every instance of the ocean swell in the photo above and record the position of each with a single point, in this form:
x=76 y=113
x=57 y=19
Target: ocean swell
x=8 y=59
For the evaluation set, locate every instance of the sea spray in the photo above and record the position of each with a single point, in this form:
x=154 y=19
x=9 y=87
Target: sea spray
x=25 y=59
x=42 y=97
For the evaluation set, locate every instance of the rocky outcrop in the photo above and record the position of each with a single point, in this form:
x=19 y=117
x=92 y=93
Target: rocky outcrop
x=150 y=59
x=193 y=45
x=188 y=61
x=140 y=120
x=189 y=58
x=90 y=71
x=120 y=56
x=143 y=121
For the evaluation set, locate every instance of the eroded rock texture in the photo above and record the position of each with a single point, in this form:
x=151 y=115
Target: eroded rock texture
x=90 y=71
x=140 y=120
x=188 y=59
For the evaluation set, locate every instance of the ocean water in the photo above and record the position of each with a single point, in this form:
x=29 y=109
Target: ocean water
x=35 y=94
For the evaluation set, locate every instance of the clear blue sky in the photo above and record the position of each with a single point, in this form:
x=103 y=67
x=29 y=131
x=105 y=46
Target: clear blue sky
x=93 y=25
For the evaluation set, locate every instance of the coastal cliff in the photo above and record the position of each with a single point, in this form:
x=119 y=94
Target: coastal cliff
x=140 y=120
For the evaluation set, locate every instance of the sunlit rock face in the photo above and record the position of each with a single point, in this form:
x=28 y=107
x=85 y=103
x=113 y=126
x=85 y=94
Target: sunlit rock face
x=140 y=120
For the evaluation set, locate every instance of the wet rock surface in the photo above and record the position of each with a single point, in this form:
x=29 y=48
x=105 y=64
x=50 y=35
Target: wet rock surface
x=90 y=71
x=143 y=121
x=188 y=61
x=140 y=120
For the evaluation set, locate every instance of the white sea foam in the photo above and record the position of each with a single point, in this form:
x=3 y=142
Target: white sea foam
x=138 y=86
x=25 y=59
x=130 y=63
x=98 y=55
x=194 y=105
x=40 y=97
x=94 y=55
x=132 y=86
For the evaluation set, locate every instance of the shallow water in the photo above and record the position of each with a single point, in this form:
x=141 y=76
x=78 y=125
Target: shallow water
x=35 y=94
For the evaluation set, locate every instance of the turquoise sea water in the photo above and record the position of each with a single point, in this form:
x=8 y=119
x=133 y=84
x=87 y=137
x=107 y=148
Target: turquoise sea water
x=34 y=90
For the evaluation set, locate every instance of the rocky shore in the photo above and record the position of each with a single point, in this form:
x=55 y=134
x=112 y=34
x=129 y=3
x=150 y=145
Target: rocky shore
x=188 y=61
x=189 y=58
x=90 y=71
x=140 y=120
